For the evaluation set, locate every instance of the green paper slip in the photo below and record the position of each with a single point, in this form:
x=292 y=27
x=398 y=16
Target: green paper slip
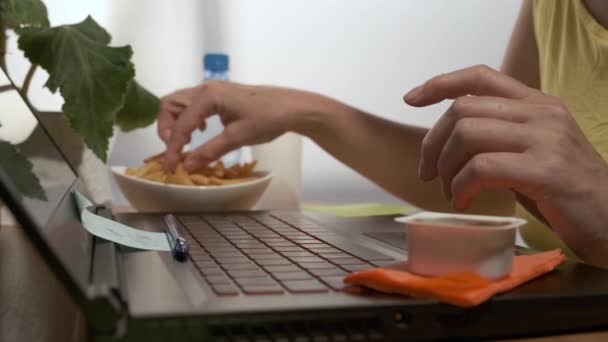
x=360 y=209
x=118 y=232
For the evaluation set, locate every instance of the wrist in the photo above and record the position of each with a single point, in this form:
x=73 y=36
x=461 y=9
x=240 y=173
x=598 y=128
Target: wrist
x=313 y=115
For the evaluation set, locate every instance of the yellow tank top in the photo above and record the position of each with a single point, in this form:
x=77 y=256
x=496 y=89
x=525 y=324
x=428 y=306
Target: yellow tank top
x=573 y=60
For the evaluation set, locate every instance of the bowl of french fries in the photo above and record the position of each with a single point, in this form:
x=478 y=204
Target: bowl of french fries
x=215 y=187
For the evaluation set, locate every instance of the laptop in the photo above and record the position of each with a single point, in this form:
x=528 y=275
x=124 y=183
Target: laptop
x=263 y=275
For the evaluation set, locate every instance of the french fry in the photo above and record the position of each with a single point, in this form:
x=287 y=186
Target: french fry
x=156 y=157
x=247 y=169
x=199 y=179
x=211 y=175
x=180 y=171
x=156 y=177
x=148 y=168
x=219 y=169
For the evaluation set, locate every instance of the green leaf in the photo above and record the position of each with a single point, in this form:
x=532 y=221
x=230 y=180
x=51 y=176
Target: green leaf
x=92 y=77
x=140 y=108
x=19 y=171
x=28 y=13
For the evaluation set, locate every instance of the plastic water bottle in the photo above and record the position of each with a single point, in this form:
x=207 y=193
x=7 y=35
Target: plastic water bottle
x=216 y=68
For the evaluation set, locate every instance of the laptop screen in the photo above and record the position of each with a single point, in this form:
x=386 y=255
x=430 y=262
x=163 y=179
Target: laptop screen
x=43 y=179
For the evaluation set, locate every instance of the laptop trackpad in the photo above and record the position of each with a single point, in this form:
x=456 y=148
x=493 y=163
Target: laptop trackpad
x=396 y=239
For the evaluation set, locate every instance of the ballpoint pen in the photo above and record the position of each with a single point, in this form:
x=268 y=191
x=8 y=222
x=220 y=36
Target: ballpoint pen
x=179 y=245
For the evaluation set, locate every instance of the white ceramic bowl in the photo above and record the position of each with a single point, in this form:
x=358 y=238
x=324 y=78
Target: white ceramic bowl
x=149 y=196
x=439 y=243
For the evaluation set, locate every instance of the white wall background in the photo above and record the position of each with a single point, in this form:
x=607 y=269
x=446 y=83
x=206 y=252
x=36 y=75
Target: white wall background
x=363 y=52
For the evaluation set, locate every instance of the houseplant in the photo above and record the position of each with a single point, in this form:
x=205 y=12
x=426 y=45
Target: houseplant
x=95 y=80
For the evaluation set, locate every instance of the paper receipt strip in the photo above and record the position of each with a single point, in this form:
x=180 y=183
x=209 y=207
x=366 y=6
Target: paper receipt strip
x=118 y=232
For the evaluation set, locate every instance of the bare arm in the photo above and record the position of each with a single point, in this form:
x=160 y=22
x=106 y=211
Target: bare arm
x=385 y=152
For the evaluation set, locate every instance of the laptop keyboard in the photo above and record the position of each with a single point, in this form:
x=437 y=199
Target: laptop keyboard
x=272 y=254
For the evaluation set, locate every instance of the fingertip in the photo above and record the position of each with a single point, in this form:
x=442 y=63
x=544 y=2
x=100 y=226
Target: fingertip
x=170 y=162
x=414 y=96
x=194 y=161
x=190 y=164
x=424 y=174
x=167 y=166
x=447 y=191
x=165 y=135
x=461 y=200
x=458 y=205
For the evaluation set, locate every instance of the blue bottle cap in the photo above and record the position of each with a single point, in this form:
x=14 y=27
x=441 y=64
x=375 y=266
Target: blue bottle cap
x=216 y=62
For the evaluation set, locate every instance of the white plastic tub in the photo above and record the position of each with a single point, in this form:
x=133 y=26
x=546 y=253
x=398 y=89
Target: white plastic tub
x=441 y=243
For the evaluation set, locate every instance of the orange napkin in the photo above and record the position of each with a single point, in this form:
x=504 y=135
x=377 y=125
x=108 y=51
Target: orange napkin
x=464 y=289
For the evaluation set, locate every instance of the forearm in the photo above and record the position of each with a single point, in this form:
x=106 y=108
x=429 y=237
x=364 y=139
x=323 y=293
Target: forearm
x=385 y=152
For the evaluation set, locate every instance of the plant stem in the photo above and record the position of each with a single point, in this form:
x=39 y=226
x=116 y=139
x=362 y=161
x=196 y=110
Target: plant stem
x=28 y=79
x=2 y=43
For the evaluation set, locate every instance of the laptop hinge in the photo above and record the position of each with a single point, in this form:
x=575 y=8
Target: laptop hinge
x=106 y=291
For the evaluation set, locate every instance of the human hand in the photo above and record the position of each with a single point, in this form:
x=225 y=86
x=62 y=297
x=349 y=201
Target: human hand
x=501 y=134
x=250 y=115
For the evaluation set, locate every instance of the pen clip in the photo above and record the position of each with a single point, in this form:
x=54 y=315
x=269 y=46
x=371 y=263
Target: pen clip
x=179 y=245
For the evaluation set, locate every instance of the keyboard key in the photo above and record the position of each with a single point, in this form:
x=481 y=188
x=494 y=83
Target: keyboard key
x=255 y=281
x=307 y=241
x=269 y=240
x=218 y=279
x=269 y=262
x=294 y=249
x=217 y=250
x=314 y=265
x=292 y=276
x=250 y=245
x=356 y=250
x=225 y=254
x=266 y=256
x=238 y=241
x=247 y=273
x=282 y=268
x=201 y=258
x=248 y=266
x=348 y=261
x=261 y=250
x=339 y=255
x=211 y=270
x=315 y=245
x=305 y=286
x=336 y=283
x=299 y=259
x=197 y=251
x=297 y=254
x=267 y=235
x=281 y=244
x=287 y=230
x=237 y=260
x=225 y=290
x=298 y=239
x=205 y=264
x=357 y=267
x=326 y=272
x=262 y=289
x=324 y=250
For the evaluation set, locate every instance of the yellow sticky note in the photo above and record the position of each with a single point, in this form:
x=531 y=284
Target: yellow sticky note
x=360 y=209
